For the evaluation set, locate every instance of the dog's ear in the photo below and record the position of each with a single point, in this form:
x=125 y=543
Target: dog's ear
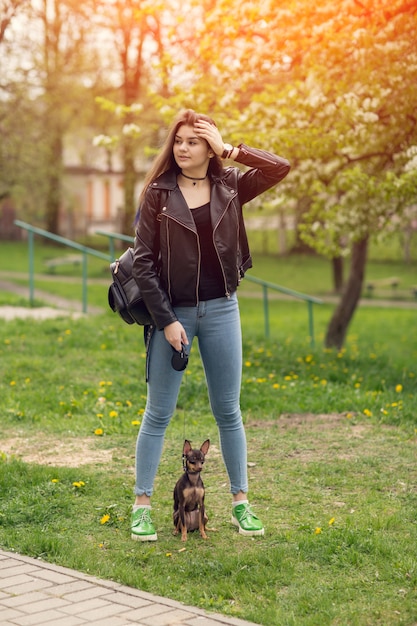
x=206 y=445
x=187 y=447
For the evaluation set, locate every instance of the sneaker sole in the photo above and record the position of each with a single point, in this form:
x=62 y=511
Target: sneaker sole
x=247 y=533
x=144 y=537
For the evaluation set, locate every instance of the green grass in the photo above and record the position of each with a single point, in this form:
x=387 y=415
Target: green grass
x=331 y=443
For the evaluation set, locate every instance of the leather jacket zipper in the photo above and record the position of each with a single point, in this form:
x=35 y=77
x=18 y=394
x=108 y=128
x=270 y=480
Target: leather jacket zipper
x=227 y=292
x=260 y=156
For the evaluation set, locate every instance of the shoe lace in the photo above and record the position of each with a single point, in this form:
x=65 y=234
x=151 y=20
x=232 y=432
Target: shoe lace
x=247 y=512
x=143 y=516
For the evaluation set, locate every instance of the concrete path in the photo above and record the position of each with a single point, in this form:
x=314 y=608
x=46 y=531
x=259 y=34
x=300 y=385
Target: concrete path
x=63 y=306
x=34 y=593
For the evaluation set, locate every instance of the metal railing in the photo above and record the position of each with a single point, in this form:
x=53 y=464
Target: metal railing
x=310 y=300
x=112 y=237
x=289 y=292
x=85 y=250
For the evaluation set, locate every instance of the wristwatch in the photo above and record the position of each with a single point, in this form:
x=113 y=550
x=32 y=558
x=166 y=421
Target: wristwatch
x=228 y=149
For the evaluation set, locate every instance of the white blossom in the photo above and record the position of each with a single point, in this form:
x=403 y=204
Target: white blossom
x=131 y=130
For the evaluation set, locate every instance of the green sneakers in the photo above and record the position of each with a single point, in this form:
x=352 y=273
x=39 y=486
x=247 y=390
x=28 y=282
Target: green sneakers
x=142 y=527
x=245 y=519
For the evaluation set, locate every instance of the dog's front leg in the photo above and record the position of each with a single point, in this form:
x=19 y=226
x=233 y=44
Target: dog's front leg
x=202 y=523
x=183 y=524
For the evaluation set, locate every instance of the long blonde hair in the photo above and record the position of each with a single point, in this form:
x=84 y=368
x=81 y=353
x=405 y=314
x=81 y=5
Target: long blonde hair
x=165 y=160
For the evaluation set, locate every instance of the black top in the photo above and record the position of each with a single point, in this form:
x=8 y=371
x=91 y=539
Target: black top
x=211 y=284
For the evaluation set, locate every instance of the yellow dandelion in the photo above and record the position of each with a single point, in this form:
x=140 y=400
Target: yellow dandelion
x=168 y=554
x=331 y=521
x=55 y=480
x=323 y=382
x=128 y=403
x=113 y=414
x=103 y=346
x=275 y=386
x=317 y=531
x=68 y=331
x=105 y=519
x=349 y=416
x=399 y=388
x=135 y=422
x=99 y=432
x=248 y=363
x=367 y=412
x=12 y=383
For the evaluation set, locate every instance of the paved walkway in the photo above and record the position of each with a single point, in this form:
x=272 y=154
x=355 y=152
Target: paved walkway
x=36 y=593
x=65 y=307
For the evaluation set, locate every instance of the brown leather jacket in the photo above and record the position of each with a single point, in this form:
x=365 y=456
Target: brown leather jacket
x=166 y=251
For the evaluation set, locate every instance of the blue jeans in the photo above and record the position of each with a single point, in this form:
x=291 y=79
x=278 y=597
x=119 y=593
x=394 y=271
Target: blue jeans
x=216 y=324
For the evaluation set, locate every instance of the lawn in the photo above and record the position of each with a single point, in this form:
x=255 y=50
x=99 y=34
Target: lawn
x=332 y=440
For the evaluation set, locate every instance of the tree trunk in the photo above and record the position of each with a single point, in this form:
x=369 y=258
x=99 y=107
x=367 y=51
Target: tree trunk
x=337 y=265
x=336 y=332
x=282 y=234
x=54 y=184
x=129 y=182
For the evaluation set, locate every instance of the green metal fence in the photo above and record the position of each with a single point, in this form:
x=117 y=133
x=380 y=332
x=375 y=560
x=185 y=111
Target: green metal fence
x=310 y=300
x=85 y=250
x=113 y=237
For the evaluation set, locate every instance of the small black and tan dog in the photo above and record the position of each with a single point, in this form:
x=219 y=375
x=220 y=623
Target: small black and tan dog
x=189 y=511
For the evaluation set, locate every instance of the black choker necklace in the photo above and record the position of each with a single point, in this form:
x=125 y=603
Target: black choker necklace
x=193 y=178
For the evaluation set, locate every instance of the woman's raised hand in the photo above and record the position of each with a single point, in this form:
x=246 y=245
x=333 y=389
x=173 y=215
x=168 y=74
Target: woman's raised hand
x=211 y=134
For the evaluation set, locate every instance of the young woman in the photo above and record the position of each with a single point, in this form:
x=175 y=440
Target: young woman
x=191 y=252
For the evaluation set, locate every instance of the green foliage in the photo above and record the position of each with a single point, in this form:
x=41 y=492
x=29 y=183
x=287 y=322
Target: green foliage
x=306 y=81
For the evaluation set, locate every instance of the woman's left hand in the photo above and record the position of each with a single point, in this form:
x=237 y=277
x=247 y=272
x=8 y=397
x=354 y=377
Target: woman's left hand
x=211 y=134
